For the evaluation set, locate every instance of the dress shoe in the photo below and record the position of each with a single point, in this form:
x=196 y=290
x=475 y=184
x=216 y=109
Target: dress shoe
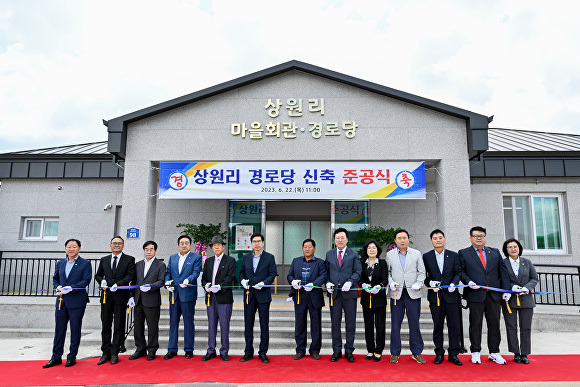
x=315 y=356
x=525 y=360
x=454 y=359
x=264 y=358
x=114 y=359
x=188 y=354
x=151 y=356
x=298 y=356
x=105 y=358
x=378 y=358
x=335 y=356
x=394 y=359
x=169 y=355
x=52 y=363
x=70 y=362
x=247 y=357
x=225 y=357
x=208 y=356
x=349 y=356
x=439 y=359
x=517 y=358
x=369 y=357
x=419 y=359
x=122 y=349
x=137 y=355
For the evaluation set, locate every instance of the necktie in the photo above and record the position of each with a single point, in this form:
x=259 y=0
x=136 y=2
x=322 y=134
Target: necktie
x=339 y=258
x=114 y=264
x=481 y=258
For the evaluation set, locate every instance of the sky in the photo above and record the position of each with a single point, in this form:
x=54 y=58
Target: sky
x=67 y=65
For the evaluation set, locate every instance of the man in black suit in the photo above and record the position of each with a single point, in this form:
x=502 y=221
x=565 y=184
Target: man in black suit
x=443 y=268
x=343 y=270
x=483 y=265
x=146 y=300
x=116 y=269
x=258 y=269
x=305 y=273
x=217 y=278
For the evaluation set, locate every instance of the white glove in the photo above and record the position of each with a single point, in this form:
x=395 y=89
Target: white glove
x=473 y=285
x=435 y=285
x=366 y=287
x=346 y=286
x=506 y=296
x=66 y=289
x=296 y=284
x=244 y=283
x=104 y=283
x=376 y=289
x=525 y=290
x=215 y=288
x=416 y=287
x=329 y=287
x=145 y=288
x=309 y=287
x=207 y=286
x=393 y=286
x=516 y=289
x=168 y=285
x=131 y=303
x=259 y=285
x=113 y=288
x=185 y=283
x=451 y=288
x=58 y=290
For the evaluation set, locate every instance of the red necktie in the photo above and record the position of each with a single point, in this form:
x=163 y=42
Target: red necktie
x=481 y=258
x=339 y=258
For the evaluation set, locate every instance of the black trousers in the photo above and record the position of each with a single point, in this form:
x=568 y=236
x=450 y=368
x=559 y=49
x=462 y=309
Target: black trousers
x=150 y=315
x=300 y=310
x=523 y=316
x=249 y=318
x=375 y=320
x=451 y=312
x=349 y=306
x=112 y=313
x=491 y=310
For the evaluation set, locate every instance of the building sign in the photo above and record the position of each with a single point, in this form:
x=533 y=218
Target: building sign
x=132 y=233
x=278 y=124
x=348 y=180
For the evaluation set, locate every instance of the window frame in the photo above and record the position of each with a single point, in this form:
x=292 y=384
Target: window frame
x=43 y=221
x=536 y=251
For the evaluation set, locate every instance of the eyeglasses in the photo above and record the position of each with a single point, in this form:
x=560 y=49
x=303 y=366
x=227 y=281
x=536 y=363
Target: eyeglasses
x=117 y=243
x=257 y=241
x=478 y=236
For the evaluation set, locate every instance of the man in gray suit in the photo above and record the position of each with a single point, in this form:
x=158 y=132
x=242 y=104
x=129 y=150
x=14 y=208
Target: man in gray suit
x=146 y=300
x=343 y=267
x=406 y=276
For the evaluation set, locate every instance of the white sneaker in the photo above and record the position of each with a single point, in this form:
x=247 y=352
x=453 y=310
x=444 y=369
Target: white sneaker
x=496 y=357
x=476 y=358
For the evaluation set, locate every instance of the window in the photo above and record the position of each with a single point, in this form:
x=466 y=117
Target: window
x=40 y=229
x=535 y=220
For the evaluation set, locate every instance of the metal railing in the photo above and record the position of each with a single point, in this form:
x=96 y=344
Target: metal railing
x=562 y=280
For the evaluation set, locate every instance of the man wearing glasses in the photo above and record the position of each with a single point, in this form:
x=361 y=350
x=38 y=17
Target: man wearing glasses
x=483 y=266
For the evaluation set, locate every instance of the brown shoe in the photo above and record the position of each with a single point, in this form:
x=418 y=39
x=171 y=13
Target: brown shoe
x=419 y=359
x=315 y=356
x=394 y=359
x=298 y=356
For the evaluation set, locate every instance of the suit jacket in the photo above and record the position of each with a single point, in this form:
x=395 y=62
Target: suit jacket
x=265 y=272
x=190 y=270
x=123 y=276
x=317 y=276
x=527 y=277
x=380 y=277
x=79 y=277
x=451 y=275
x=225 y=276
x=349 y=270
x=495 y=274
x=155 y=276
x=414 y=272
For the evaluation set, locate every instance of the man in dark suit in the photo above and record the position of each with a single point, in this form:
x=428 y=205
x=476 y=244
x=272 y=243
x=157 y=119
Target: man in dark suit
x=116 y=269
x=305 y=273
x=483 y=265
x=146 y=300
x=183 y=270
x=343 y=270
x=71 y=277
x=258 y=269
x=217 y=279
x=443 y=268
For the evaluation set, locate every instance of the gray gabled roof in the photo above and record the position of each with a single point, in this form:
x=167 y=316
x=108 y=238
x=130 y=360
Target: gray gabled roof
x=516 y=140
x=476 y=124
x=90 y=148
